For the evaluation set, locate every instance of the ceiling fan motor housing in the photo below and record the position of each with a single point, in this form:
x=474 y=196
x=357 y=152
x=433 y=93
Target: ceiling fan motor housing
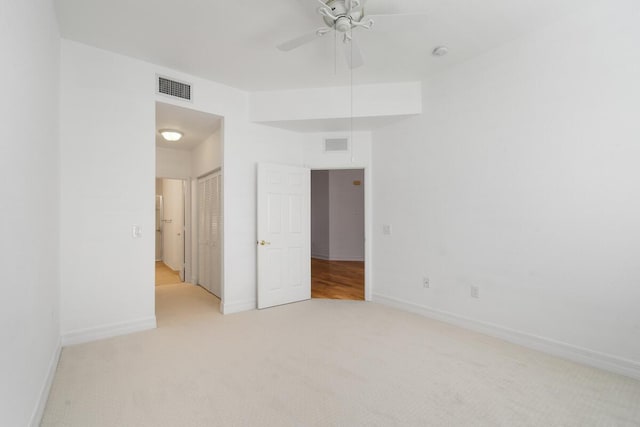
x=343 y=23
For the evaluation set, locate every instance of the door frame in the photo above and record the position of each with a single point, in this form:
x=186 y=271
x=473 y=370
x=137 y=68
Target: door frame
x=187 y=225
x=368 y=221
x=160 y=225
x=191 y=194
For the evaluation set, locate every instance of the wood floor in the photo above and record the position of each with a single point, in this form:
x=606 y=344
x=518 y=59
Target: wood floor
x=329 y=279
x=165 y=275
x=337 y=279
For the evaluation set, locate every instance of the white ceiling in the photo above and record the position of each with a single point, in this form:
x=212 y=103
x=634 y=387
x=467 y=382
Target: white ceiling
x=233 y=42
x=195 y=125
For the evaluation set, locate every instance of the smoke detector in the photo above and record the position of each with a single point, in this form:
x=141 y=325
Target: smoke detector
x=440 y=51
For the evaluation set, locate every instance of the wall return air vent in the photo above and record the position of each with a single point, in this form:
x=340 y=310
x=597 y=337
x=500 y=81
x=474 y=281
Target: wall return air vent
x=174 y=88
x=336 y=144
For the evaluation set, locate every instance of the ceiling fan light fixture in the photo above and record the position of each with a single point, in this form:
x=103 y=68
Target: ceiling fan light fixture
x=440 y=51
x=171 y=135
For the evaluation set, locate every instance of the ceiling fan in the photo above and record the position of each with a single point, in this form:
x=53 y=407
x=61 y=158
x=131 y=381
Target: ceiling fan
x=341 y=16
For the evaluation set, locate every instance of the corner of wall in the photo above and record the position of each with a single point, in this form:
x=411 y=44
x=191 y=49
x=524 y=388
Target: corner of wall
x=43 y=396
x=107 y=331
x=238 y=307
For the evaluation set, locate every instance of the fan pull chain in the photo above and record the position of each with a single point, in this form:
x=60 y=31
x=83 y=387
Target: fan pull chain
x=335 y=52
x=351 y=79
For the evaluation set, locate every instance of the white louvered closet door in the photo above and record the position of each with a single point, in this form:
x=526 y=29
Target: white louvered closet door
x=209 y=226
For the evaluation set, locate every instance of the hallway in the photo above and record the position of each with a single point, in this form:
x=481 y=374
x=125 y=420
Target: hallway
x=337 y=279
x=165 y=275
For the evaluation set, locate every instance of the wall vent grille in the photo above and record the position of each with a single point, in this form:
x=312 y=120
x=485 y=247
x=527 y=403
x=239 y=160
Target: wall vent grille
x=174 y=88
x=336 y=144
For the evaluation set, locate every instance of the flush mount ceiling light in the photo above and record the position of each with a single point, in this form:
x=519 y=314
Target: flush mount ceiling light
x=440 y=51
x=171 y=135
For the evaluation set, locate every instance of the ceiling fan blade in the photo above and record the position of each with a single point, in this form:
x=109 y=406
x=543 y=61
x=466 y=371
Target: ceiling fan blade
x=299 y=41
x=322 y=3
x=353 y=54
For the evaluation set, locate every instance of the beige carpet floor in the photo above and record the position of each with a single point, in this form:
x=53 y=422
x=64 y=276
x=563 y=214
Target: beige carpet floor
x=323 y=363
x=165 y=275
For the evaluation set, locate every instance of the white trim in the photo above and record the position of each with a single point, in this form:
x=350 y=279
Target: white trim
x=320 y=256
x=38 y=412
x=585 y=356
x=339 y=258
x=237 y=307
x=107 y=331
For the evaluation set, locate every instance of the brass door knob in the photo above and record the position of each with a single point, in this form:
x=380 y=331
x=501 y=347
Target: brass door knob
x=263 y=243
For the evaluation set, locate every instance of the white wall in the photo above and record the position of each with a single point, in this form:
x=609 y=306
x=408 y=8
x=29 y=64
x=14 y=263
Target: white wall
x=374 y=100
x=175 y=164
x=29 y=220
x=159 y=187
x=358 y=156
x=257 y=144
x=207 y=155
x=320 y=230
x=522 y=178
x=346 y=215
x=107 y=276
x=159 y=212
x=107 y=187
x=172 y=237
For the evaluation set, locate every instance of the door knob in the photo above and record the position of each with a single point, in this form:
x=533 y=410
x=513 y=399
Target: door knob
x=263 y=243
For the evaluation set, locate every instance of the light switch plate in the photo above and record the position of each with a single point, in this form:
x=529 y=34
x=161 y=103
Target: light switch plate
x=136 y=232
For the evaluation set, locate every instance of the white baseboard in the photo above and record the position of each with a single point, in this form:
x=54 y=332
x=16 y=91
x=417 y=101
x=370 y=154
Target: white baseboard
x=585 y=356
x=347 y=258
x=237 y=307
x=108 y=331
x=36 y=417
x=328 y=258
x=320 y=256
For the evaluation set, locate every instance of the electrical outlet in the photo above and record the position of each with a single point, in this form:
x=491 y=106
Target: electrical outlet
x=475 y=292
x=425 y=282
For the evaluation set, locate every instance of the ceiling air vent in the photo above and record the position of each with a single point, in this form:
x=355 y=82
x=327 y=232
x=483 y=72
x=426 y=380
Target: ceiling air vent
x=336 y=144
x=174 y=88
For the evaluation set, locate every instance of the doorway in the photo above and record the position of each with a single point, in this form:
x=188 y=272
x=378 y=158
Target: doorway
x=170 y=231
x=192 y=154
x=338 y=234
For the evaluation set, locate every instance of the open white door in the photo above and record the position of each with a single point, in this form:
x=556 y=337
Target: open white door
x=284 y=234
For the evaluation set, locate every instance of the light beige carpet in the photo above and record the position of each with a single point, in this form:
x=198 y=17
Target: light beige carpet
x=165 y=275
x=323 y=363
